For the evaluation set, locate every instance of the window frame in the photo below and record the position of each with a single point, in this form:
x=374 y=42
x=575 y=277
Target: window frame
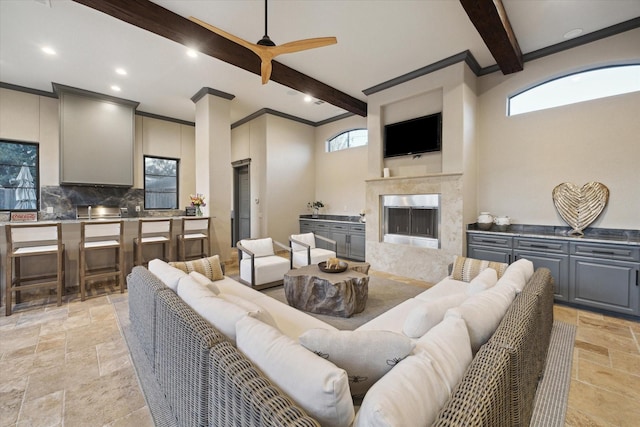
x=36 y=178
x=570 y=75
x=177 y=178
x=328 y=142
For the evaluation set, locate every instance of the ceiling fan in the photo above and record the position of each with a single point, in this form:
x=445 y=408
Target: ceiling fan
x=267 y=49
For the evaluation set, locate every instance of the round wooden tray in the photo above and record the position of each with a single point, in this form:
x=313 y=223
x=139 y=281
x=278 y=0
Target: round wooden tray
x=342 y=267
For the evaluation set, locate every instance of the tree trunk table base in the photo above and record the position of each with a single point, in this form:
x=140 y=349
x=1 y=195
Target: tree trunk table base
x=336 y=294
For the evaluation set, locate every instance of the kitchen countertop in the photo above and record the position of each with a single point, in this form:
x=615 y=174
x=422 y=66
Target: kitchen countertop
x=333 y=218
x=78 y=221
x=592 y=235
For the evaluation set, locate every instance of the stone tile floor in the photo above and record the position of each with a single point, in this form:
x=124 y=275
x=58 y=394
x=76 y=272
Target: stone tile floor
x=69 y=366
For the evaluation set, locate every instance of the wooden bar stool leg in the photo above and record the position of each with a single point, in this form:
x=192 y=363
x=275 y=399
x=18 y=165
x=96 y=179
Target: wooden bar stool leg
x=8 y=282
x=120 y=253
x=18 y=275
x=81 y=272
x=60 y=276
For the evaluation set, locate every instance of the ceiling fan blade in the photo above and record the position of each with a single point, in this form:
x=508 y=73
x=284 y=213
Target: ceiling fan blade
x=265 y=70
x=305 y=44
x=224 y=34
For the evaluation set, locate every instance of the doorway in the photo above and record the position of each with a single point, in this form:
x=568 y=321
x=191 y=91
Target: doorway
x=241 y=227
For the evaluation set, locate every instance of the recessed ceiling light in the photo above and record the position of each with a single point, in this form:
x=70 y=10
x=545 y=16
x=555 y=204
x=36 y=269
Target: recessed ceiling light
x=48 y=50
x=192 y=53
x=121 y=71
x=308 y=98
x=573 y=33
x=115 y=88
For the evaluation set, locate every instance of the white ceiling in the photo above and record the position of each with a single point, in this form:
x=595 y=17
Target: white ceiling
x=377 y=41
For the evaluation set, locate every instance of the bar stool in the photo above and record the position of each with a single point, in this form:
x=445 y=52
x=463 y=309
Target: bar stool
x=33 y=240
x=101 y=237
x=194 y=230
x=153 y=232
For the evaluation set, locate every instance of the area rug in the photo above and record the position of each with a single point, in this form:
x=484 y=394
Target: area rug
x=383 y=295
x=551 y=397
x=550 y=407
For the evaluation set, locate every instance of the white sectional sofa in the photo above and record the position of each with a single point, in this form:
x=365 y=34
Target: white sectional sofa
x=404 y=367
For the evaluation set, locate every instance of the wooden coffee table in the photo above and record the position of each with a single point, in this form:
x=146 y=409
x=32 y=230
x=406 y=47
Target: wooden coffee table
x=337 y=294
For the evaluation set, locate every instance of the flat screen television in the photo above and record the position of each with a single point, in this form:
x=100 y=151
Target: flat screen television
x=415 y=136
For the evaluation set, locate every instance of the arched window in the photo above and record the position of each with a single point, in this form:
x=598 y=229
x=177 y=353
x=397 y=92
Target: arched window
x=577 y=87
x=348 y=139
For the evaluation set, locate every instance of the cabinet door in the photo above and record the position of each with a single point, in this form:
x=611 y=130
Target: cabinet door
x=306 y=227
x=323 y=229
x=340 y=233
x=357 y=247
x=556 y=263
x=606 y=284
x=547 y=253
x=489 y=253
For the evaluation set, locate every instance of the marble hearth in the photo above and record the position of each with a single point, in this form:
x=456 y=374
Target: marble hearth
x=429 y=264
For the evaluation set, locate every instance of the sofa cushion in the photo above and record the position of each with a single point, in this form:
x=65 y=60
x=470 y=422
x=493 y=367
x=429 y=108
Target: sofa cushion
x=307 y=238
x=466 y=269
x=208 y=267
x=428 y=314
x=220 y=313
x=448 y=345
x=289 y=320
x=483 y=281
x=443 y=288
x=268 y=269
x=483 y=312
x=365 y=355
x=259 y=247
x=315 y=384
x=203 y=280
x=392 y=320
x=518 y=274
x=317 y=256
x=413 y=392
x=168 y=274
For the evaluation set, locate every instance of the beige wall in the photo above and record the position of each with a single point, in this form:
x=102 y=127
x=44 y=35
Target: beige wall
x=339 y=175
x=34 y=118
x=522 y=158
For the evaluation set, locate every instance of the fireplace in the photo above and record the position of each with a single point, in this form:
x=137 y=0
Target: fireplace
x=411 y=219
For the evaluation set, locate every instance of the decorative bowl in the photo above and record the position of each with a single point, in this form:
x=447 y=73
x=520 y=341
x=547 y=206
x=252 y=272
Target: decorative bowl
x=341 y=267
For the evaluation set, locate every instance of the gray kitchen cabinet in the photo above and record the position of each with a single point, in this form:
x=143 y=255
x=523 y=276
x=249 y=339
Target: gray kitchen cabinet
x=349 y=237
x=340 y=233
x=496 y=248
x=551 y=254
x=357 y=242
x=605 y=276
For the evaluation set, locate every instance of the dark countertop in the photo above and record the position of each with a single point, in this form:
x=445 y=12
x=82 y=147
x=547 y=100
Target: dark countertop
x=333 y=218
x=595 y=235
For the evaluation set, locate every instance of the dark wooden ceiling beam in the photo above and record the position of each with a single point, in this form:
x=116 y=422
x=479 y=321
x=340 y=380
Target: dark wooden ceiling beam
x=158 y=20
x=491 y=21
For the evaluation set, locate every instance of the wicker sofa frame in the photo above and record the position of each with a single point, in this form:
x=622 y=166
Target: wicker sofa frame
x=208 y=382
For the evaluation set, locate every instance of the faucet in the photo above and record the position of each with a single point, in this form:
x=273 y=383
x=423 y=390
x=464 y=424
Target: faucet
x=89 y=211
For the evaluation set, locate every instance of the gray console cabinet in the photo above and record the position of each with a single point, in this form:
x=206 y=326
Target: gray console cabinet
x=349 y=237
x=496 y=248
x=605 y=276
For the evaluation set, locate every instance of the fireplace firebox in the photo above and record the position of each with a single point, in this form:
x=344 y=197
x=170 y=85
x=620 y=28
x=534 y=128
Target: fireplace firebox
x=411 y=219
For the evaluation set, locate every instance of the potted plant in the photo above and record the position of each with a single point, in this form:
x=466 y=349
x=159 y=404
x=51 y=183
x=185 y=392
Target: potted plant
x=315 y=206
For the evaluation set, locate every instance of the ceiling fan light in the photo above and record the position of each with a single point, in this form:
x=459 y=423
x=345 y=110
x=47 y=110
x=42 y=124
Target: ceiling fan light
x=266 y=41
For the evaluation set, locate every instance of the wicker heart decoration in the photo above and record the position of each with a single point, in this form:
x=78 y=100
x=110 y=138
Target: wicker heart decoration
x=580 y=206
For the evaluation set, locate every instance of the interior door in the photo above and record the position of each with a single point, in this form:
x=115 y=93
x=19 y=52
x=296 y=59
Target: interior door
x=241 y=203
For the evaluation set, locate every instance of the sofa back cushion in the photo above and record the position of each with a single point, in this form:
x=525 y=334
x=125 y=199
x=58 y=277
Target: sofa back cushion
x=365 y=355
x=486 y=279
x=413 y=392
x=425 y=316
x=466 y=269
x=168 y=274
x=315 y=384
x=259 y=247
x=307 y=238
x=518 y=274
x=483 y=312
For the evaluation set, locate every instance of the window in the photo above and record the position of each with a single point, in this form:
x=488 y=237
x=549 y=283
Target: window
x=160 y=183
x=578 y=87
x=19 y=179
x=348 y=139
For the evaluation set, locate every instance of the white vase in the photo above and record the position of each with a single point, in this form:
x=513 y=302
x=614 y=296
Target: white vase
x=485 y=221
x=502 y=222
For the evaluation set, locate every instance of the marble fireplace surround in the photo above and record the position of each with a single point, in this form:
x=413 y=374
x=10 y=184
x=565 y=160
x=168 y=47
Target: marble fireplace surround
x=418 y=263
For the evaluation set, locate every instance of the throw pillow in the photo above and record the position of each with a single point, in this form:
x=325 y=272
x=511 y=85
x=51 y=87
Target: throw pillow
x=518 y=274
x=483 y=312
x=365 y=355
x=168 y=274
x=486 y=279
x=203 y=280
x=315 y=384
x=427 y=315
x=252 y=308
x=466 y=269
x=208 y=267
